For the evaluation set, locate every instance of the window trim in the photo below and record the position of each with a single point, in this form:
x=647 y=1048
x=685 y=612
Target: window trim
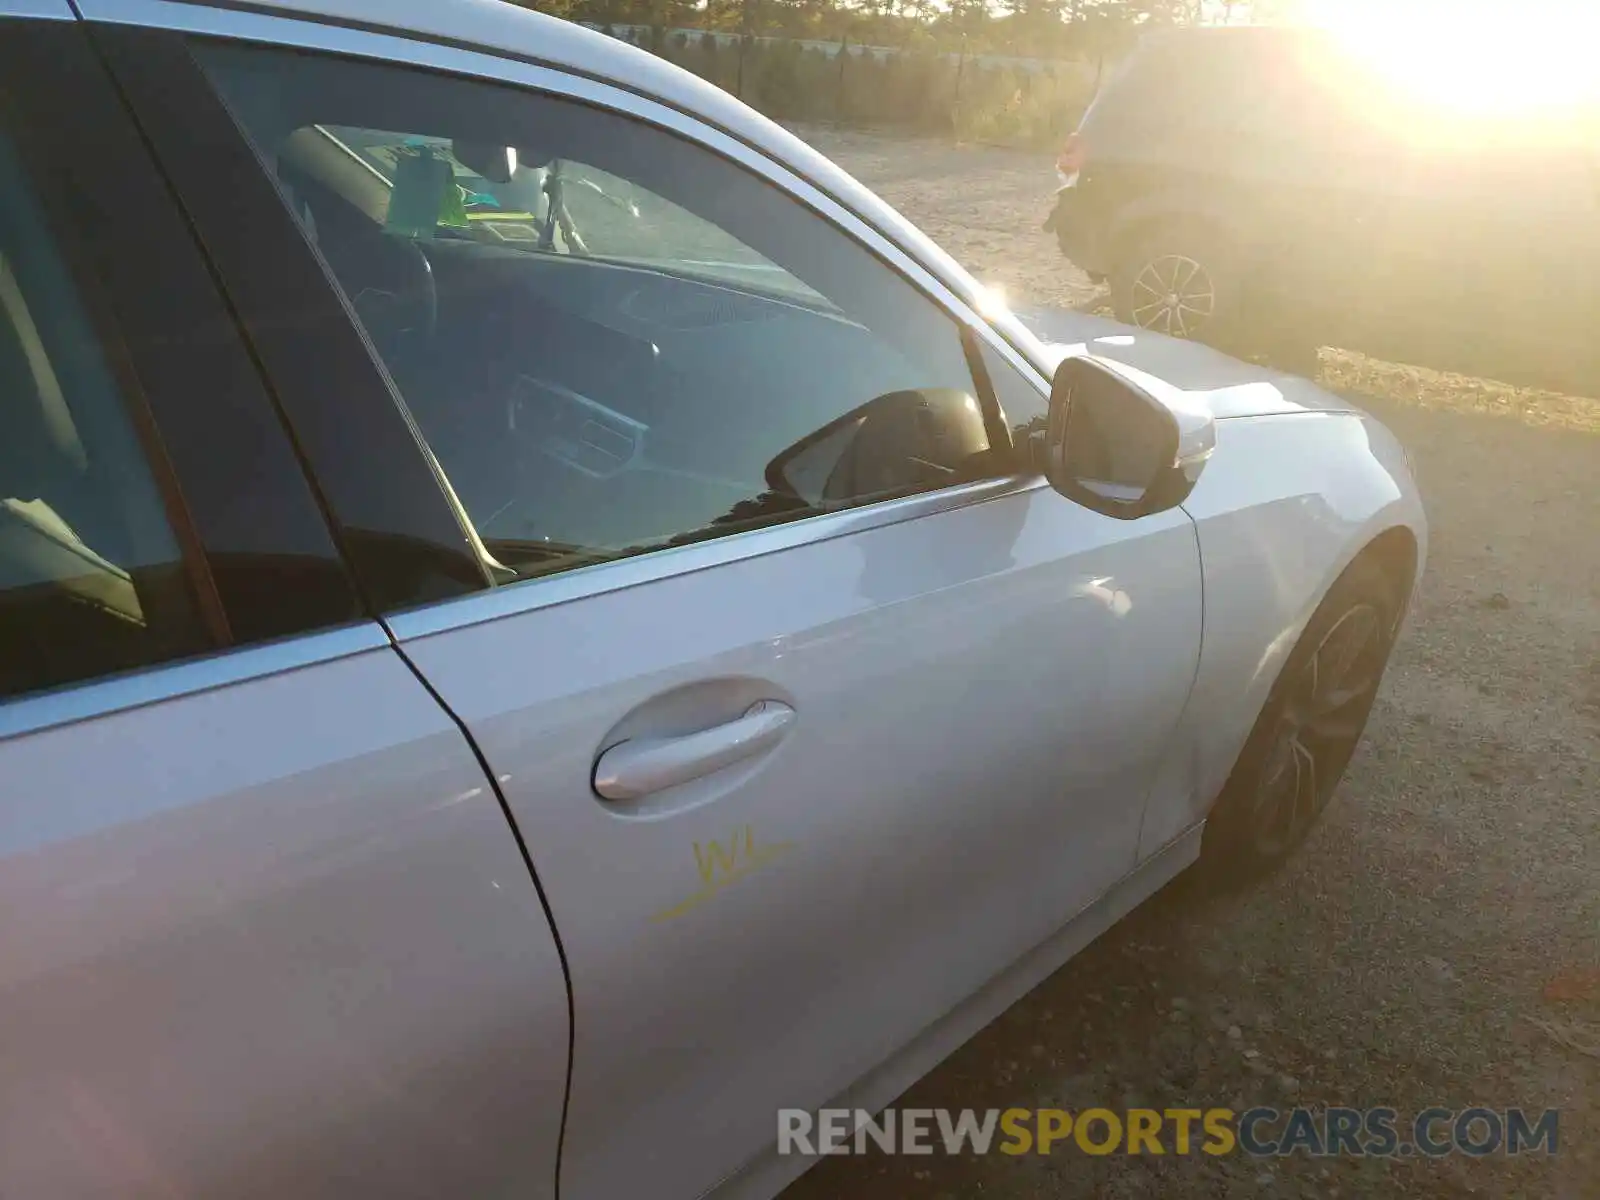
x=578 y=583
x=293 y=33
x=33 y=712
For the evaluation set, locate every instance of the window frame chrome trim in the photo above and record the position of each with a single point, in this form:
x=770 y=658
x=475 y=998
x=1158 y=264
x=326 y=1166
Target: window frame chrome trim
x=563 y=587
x=35 y=712
x=37 y=10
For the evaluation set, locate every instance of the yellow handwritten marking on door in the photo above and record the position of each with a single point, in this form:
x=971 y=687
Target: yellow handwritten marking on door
x=721 y=865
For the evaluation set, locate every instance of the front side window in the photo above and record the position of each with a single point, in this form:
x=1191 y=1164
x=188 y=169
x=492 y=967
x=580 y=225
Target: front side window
x=612 y=340
x=92 y=579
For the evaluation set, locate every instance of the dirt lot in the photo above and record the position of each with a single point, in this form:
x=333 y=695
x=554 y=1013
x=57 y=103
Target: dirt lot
x=1438 y=940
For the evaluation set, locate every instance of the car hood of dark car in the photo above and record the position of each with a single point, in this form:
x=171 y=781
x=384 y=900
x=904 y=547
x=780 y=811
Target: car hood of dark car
x=1227 y=386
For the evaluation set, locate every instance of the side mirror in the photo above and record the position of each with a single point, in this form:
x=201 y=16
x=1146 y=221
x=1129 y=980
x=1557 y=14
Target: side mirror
x=1121 y=442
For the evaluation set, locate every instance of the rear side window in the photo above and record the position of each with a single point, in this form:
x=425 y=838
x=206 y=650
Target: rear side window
x=92 y=576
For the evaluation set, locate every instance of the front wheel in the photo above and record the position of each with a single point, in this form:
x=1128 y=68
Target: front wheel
x=1308 y=729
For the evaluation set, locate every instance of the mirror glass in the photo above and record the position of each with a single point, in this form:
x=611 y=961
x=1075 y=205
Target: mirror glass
x=1118 y=442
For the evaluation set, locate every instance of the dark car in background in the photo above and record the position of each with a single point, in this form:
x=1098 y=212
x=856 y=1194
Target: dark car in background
x=1264 y=190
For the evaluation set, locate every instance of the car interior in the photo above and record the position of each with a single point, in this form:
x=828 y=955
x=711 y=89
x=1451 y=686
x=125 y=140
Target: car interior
x=67 y=587
x=585 y=404
x=88 y=567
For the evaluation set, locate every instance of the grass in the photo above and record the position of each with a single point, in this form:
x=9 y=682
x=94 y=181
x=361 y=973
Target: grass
x=1344 y=370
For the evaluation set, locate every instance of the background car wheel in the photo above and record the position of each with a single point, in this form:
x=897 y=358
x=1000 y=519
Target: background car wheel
x=1177 y=278
x=1308 y=729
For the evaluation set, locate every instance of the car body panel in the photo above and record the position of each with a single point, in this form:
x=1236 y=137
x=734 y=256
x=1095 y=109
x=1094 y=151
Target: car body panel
x=1226 y=386
x=269 y=937
x=946 y=798
x=1283 y=507
x=1300 y=481
x=763 y=1177
x=1011 y=717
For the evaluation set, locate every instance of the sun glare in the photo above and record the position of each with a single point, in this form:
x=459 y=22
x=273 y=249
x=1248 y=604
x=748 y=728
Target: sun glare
x=1494 y=58
x=992 y=301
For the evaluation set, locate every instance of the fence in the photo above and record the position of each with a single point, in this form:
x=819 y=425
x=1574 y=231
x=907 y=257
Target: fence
x=994 y=99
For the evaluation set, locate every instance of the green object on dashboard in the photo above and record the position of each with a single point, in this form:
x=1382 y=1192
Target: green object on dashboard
x=453 y=206
x=422 y=187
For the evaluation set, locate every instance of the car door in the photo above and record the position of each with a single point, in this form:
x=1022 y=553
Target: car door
x=265 y=930
x=813 y=710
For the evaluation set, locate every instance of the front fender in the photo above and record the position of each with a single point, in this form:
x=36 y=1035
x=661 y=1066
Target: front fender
x=1283 y=507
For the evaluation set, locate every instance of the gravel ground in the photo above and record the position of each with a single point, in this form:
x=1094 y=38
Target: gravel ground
x=1437 y=941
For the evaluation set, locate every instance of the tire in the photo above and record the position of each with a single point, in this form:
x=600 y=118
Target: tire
x=1308 y=729
x=1184 y=261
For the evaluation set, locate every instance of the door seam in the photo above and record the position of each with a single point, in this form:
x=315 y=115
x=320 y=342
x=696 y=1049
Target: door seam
x=1188 y=699
x=527 y=861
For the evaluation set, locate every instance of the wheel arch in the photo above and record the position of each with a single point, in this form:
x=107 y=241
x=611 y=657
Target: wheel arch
x=1279 y=525
x=1137 y=219
x=1386 y=561
x=1393 y=549
x=1398 y=555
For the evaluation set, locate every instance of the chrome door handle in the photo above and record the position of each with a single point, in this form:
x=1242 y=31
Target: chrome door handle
x=640 y=766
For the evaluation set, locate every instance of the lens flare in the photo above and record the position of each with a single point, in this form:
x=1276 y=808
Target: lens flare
x=1484 y=58
x=992 y=301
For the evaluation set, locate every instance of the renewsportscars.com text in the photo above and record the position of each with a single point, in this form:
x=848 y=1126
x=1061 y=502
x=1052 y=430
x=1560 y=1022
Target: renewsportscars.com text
x=1259 y=1132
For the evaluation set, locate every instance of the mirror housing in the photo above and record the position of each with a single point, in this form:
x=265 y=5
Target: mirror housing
x=1121 y=442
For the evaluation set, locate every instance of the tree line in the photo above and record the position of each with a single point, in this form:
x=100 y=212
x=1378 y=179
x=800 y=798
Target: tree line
x=1057 y=29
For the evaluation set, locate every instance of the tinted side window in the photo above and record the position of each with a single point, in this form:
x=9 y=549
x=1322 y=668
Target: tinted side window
x=613 y=340
x=267 y=546
x=92 y=577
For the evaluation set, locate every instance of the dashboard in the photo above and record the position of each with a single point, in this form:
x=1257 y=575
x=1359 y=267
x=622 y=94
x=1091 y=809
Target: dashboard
x=604 y=404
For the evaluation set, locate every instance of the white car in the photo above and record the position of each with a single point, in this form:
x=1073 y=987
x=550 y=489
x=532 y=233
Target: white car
x=541 y=623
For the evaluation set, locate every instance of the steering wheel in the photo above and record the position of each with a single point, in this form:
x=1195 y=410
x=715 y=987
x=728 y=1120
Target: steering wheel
x=387 y=276
x=391 y=286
